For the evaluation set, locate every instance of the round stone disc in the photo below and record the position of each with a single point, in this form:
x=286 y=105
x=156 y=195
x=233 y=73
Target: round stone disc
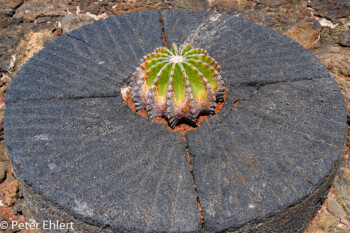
x=263 y=164
x=266 y=161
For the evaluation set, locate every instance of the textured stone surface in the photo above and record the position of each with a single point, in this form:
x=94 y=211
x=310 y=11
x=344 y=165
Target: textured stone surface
x=103 y=163
x=247 y=53
x=334 y=207
x=7 y=8
x=274 y=150
x=81 y=154
x=41 y=10
x=90 y=61
x=333 y=10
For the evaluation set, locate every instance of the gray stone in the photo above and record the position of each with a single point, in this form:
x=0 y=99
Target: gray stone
x=333 y=10
x=344 y=39
x=18 y=206
x=344 y=221
x=249 y=54
x=90 y=61
x=104 y=164
x=8 y=62
x=3 y=170
x=268 y=153
x=21 y=207
x=334 y=207
x=70 y=22
x=263 y=164
x=7 y=8
x=4 y=164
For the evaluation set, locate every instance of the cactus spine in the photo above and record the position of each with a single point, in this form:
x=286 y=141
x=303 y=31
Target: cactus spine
x=178 y=85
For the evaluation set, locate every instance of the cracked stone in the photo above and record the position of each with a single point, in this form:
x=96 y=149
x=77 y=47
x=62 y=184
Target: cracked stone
x=72 y=21
x=32 y=10
x=7 y=8
x=333 y=10
x=295 y=111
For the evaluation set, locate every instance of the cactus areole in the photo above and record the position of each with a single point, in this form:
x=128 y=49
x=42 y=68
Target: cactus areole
x=179 y=85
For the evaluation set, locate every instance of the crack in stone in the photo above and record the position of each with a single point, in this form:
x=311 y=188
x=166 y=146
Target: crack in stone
x=67 y=98
x=185 y=141
x=163 y=31
x=259 y=85
x=263 y=83
x=235 y=104
x=78 y=39
x=194 y=182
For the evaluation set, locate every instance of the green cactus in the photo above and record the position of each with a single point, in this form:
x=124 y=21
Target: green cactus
x=177 y=85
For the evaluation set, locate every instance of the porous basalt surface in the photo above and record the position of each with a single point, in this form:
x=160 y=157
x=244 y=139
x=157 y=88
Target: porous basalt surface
x=264 y=163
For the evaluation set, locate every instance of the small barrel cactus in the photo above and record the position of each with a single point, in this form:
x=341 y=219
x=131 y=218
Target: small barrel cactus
x=177 y=85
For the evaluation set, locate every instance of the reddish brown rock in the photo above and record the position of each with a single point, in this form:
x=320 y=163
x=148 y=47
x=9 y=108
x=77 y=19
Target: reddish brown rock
x=32 y=10
x=7 y=8
x=306 y=32
x=231 y=6
x=334 y=10
x=11 y=193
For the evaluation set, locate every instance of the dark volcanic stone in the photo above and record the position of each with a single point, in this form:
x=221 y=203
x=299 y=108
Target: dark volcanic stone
x=333 y=10
x=248 y=53
x=267 y=153
x=263 y=164
x=7 y=8
x=102 y=164
x=92 y=61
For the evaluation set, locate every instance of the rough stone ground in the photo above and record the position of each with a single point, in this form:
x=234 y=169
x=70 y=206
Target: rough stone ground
x=322 y=26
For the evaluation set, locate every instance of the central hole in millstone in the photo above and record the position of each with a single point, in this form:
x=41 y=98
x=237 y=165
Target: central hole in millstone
x=180 y=87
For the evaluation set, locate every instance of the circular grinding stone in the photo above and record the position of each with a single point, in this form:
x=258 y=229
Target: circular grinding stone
x=263 y=164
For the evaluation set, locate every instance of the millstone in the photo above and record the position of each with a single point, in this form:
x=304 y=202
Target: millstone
x=263 y=164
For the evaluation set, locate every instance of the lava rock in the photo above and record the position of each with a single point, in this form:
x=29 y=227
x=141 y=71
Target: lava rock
x=11 y=193
x=305 y=32
x=7 y=8
x=6 y=63
x=3 y=170
x=260 y=139
x=264 y=163
x=97 y=53
x=32 y=10
x=254 y=55
x=332 y=10
x=341 y=184
x=19 y=206
x=103 y=162
x=72 y=21
x=191 y=5
x=338 y=35
x=334 y=207
x=231 y=6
